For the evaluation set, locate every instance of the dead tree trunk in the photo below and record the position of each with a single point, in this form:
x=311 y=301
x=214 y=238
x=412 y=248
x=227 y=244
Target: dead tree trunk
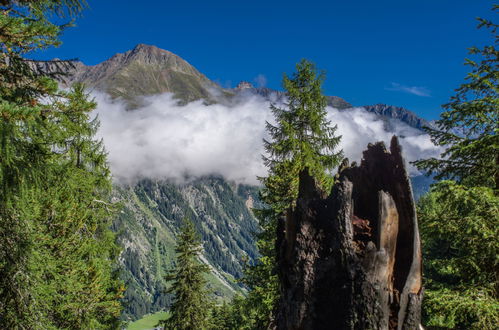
x=352 y=260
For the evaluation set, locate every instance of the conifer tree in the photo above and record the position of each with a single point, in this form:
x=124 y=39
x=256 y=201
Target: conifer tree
x=301 y=138
x=459 y=230
x=57 y=254
x=459 y=220
x=189 y=310
x=22 y=152
x=468 y=129
x=86 y=291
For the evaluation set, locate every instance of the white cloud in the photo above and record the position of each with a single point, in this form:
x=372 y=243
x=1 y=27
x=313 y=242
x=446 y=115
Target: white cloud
x=414 y=90
x=166 y=141
x=358 y=128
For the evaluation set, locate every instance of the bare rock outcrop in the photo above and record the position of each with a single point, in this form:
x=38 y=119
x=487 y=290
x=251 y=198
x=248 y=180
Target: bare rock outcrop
x=352 y=260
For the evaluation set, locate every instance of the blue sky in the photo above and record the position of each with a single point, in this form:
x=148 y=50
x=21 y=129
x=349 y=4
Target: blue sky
x=405 y=53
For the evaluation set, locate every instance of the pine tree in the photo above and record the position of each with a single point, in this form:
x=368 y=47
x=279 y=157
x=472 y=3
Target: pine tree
x=189 y=310
x=459 y=220
x=302 y=138
x=57 y=254
x=85 y=291
x=459 y=230
x=23 y=153
x=468 y=129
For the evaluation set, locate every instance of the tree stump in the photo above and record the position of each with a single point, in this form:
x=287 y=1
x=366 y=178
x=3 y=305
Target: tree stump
x=352 y=260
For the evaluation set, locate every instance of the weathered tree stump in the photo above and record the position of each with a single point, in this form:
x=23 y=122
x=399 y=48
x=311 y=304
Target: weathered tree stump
x=352 y=260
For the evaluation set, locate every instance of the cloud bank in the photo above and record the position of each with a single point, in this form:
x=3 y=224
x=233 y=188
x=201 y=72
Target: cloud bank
x=165 y=141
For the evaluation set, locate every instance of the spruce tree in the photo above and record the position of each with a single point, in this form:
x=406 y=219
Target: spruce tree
x=468 y=129
x=459 y=230
x=189 y=310
x=302 y=138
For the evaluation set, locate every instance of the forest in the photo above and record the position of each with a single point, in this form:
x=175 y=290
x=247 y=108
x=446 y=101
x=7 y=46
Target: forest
x=61 y=260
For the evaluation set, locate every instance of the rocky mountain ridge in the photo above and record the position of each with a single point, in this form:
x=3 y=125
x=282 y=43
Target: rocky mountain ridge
x=402 y=114
x=276 y=96
x=148 y=70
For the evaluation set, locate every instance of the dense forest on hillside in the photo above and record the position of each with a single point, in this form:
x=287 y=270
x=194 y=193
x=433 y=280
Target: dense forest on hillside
x=150 y=217
x=79 y=251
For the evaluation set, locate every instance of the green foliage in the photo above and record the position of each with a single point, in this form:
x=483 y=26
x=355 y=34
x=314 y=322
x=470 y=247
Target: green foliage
x=236 y=315
x=57 y=254
x=302 y=138
x=189 y=309
x=468 y=129
x=459 y=227
x=459 y=221
x=61 y=218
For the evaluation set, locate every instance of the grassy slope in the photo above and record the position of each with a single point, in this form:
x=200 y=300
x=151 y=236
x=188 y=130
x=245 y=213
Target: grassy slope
x=148 y=322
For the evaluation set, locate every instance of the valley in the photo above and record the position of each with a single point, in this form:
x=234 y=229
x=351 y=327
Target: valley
x=153 y=208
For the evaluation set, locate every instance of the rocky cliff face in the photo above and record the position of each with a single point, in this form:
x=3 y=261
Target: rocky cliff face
x=352 y=260
x=402 y=114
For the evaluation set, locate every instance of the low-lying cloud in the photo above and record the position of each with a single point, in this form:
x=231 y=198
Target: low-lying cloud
x=163 y=140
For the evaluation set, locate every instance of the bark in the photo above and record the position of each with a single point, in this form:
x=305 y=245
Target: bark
x=352 y=260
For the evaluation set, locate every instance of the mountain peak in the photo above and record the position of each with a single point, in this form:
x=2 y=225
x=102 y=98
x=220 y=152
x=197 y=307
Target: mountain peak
x=148 y=54
x=144 y=46
x=149 y=49
x=141 y=71
x=244 y=85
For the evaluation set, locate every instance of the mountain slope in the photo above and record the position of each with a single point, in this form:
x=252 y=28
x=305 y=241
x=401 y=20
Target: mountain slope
x=144 y=70
x=245 y=87
x=149 y=220
x=399 y=113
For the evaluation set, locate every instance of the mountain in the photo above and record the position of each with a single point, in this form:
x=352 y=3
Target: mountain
x=385 y=112
x=153 y=209
x=274 y=95
x=144 y=70
x=148 y=70
x=399 y=113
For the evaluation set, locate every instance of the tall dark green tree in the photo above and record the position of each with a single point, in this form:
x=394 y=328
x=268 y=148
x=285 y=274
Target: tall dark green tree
x=85 y=290
x=190 y=307
x=459 y=230
x=301 y=138
x=459 y=220
x=24 y=28
x=57 y=254
x=468 y=129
